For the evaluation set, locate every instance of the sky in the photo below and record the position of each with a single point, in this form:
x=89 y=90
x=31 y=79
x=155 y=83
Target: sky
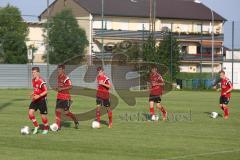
x=229 y=9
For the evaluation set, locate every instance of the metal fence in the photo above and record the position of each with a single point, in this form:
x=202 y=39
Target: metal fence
x=19 y=76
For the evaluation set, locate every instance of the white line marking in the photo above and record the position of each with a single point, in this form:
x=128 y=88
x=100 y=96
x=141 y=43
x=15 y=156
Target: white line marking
x=201 y=154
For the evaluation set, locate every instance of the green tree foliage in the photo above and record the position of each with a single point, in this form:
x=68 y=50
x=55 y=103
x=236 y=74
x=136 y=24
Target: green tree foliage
x=168 y=44
x=160 y=53
x=130 y=48
x=64 y=37
x=13 y=33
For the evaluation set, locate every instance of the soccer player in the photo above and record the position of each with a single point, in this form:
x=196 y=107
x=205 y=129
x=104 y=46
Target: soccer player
x=38 y=101
x=63 y=103
x=102 y=96
x=156 y=90
x=226 y=88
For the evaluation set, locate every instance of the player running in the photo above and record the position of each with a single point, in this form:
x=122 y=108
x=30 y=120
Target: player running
x=156 y=90
x=63 y=103
x=102 y=96
x=38 y=101
x=226 y=88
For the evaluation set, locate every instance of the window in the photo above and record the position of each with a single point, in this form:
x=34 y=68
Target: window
x=198 y=49
x=108 y=24
x=184 y=49
x=121 y=25
x=166 y=26
x=184 y=28
x=197 y=28
x=140 y=26
x=98 y=24
x=206 y=28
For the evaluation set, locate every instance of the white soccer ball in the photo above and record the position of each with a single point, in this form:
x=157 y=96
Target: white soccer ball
x=178 y=87
x=214 y=115
x=95 y=124
x=155 y=117
x=54 y=127
x=25 y=130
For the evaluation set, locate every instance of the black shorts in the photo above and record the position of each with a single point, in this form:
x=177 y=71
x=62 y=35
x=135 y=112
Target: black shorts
x=155 y=99
x=63 y=104
x=103 y=102
x=40 y=105
x=224 y=100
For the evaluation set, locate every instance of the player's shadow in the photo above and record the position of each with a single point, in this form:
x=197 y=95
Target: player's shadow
x=103 y=122
x=147 y=116
x=5 y=105
x=209 y=113
x=66 y=124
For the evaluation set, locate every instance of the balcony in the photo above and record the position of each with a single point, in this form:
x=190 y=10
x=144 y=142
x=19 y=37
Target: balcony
x=203 y=57
x=143 y=35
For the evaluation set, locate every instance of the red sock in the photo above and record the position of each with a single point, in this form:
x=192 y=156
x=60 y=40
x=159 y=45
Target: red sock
x=33 y=119
x=58 y=118
x=110 y=116
x=98 y=115
x=226 y=111
x=152 y=111
x=72 y=116
x=222 y=108
x=45 y=123
x=162 y=110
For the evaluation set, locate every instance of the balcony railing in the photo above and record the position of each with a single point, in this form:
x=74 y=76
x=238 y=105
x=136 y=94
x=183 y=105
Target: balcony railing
x=141 y=34
x=199 y=57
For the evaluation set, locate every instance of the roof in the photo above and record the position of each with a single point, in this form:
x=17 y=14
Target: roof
x=165 y=9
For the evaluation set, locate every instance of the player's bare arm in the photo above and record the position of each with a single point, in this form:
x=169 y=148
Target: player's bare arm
x=215 y=87
x=216 y=84
x=104 y=84
x=64 y=88
x=230 y=89
x=37 y=96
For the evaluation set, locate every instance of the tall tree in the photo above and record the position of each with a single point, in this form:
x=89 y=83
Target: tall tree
x=65 y=38
x=169 y=54
x=160 y=53
x=13 y=33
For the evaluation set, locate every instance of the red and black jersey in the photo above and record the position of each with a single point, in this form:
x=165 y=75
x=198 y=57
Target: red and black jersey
x=64 y=81
x=155 y=88
x=102 y=91
x=226 y=84
x=39 y=86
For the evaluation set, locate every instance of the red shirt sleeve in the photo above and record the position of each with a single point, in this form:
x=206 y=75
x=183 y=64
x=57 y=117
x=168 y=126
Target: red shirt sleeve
x=229 y=83
x=68 y=82
x=44 y=87
x=107 y=82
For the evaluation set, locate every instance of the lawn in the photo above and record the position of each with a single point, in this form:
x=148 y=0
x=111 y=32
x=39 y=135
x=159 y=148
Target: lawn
x=188 y=134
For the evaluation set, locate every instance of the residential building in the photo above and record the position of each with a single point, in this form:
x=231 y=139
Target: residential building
x=231 y=66
x=123 y=20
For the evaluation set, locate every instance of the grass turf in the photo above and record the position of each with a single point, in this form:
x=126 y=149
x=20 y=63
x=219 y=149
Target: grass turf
x=189 y=133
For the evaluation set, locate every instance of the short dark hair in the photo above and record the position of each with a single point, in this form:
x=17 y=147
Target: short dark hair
x=222 y=71
x=36 y=69
x=154 y=66
x=100 y=69
x=61 y=66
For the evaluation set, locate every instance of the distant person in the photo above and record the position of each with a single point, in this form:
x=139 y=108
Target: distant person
x=226 y=88
x=102 y=95
x=39 y=97
x=63 y=103
x=156 y=90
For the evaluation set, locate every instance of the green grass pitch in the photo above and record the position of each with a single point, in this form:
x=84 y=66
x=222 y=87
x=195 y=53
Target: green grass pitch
x=195 y=137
